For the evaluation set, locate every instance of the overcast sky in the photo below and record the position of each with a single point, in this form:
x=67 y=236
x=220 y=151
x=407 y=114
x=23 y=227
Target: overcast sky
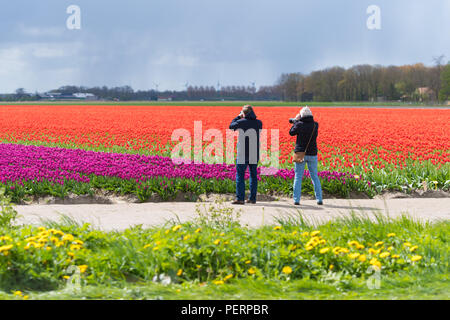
x=203 y=42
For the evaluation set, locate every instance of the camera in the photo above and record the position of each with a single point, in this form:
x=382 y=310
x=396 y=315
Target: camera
x=292 y=120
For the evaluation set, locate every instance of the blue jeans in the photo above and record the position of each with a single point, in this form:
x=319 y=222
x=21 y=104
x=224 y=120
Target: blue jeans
x=240 y=181
x=299 y=170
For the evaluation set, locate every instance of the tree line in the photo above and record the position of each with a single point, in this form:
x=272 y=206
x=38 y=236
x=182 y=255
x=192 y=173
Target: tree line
x=369 y=83
x=418 y=83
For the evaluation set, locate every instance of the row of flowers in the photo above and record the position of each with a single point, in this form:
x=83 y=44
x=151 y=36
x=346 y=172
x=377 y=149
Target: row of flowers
x=19 y=163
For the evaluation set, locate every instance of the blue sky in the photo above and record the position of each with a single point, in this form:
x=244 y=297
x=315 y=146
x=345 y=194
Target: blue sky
x=203 y=42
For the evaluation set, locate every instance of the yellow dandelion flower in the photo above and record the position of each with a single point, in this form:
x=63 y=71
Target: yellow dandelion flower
x=305 y=234
x=294 y=233
x=155 y=248
x=315 y=233
x=167 y=231
x=416 y=258
x=41 y=229
x=324 y=250
x=353 y=255
x=83 y=268
x=373 y=251
x=178 y=227
x=180 y=272
x=198 y=230
x=379 y=243
x=395 y=256
x=331 y=266
x=217 y=241
x=66 y=277
x=344 y=250
x=5 y=238
x=362 y=258
x=277 y=228
x=186 y=237
x=287 y=270
x=70 y=254
x=6 y=248
x=26 y=297
x=218 y=282
x=384 y=254
x=75 y=247
x=375 y=262
x=228 y=277
x=248 y=262
x=18 y=293
x=412 y=249
x=336 y=250
x=360 y=247
x=309 y=248
x=252 y=270
x=391 y=235
x=67 y=237
x=407 y=244
x=147 y=245
x=390 y=248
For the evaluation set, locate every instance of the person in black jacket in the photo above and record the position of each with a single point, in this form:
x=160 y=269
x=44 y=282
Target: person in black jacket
x=247 y=152
x=306 y=130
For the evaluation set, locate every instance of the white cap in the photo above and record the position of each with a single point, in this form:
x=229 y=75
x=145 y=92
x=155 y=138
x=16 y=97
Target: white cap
x=306 y=111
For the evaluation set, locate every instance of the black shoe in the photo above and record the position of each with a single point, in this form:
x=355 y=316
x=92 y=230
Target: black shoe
x=296 y=203
x=250 y=201
x=319 y=203
x=238 y=202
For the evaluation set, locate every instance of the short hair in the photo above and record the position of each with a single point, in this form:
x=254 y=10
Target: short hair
x=247 y=109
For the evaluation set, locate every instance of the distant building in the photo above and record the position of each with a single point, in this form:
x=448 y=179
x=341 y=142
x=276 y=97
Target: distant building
x=164 y=98
x=425 y=93
x=85 y=96
x=59 y=96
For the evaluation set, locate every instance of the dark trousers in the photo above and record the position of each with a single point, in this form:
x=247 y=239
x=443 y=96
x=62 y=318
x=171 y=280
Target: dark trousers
x=240 y=181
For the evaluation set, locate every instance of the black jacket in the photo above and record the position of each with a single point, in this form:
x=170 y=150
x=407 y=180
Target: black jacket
x=249 y=122
x=303 y=129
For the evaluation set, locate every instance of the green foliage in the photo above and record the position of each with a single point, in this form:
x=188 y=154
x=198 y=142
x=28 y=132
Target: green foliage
x=444 y=94
x=214 y=249
x=7 y=212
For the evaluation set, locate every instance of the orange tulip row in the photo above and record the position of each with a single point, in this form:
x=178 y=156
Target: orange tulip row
x=369 y=138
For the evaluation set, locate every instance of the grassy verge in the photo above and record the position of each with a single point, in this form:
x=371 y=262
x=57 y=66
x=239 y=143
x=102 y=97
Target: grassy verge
x=213 y=257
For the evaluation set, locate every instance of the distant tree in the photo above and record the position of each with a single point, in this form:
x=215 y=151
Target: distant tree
x=436 y=71
x=20 y=92
x=444 y=93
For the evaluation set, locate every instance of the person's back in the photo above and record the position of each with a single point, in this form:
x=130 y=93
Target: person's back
x=306 y=128
x=249 y=127
x=248 y=152
x=307 y=131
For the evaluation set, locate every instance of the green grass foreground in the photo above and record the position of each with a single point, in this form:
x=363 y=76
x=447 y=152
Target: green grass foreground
x=213 y=257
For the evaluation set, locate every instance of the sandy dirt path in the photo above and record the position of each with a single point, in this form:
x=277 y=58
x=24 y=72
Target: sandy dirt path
x=124 y=215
